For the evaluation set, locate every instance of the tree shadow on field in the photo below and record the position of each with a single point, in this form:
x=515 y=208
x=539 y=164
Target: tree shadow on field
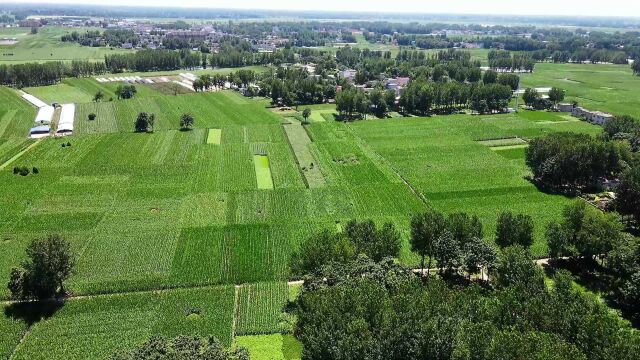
x=32 y=312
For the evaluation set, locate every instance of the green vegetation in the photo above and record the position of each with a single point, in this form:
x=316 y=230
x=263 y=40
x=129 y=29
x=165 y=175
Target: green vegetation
x=46 y=46
x=263 y=172
x=77 y=328
x=168 y=210
x=214 y=136
x=609 y=88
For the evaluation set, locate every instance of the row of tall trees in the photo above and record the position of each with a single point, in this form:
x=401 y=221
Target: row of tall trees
x=506 y=61
x=47 y=73
x=382 y=310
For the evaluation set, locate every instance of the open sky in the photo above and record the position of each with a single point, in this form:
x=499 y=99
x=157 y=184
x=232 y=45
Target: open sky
x=629 y=8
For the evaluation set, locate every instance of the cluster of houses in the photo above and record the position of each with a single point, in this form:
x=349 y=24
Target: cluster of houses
x=397 y=84
x=44 y=118
x=592 y=116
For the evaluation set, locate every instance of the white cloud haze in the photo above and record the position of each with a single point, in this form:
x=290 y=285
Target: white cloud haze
x=538 y=7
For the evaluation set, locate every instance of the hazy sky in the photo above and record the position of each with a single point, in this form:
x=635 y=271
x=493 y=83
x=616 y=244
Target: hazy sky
x=537 y=7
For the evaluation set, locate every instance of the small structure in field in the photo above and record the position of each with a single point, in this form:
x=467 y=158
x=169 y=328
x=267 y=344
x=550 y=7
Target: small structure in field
x=67 y=116
x=595 y=117
x=565 y=107
x=45 y=115
x=40 y=131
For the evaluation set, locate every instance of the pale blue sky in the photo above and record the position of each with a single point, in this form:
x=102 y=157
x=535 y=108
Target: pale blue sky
x=537 y=7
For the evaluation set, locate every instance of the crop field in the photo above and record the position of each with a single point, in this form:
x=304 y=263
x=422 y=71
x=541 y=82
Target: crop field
x=609 y=88
x=46 y=46
x=259 y=308
x=271 y=347
x=164 y=224
x=443 y=159
x=16 y=116
x=96 y=327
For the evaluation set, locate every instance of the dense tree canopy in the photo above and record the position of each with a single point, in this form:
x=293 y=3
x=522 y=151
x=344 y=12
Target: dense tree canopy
x=381 y=311
x=575 y=160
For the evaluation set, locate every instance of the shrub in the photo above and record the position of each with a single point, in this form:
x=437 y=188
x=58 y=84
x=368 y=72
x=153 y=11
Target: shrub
x=24 y=171
x=16 y=170
x=92 y=116
x=35 y=170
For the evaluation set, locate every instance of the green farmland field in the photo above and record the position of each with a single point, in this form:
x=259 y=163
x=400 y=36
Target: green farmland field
x=174 y=235
x=46 y=46
x=610 y=88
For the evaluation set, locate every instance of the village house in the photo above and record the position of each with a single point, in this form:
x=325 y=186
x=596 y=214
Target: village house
x=397 y=84
x=348 y=74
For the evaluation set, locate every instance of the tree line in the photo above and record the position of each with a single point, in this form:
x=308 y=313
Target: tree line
x=47 y=73
x=378 y=309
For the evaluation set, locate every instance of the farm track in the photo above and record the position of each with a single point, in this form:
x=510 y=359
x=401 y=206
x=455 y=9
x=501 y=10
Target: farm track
x=18 y=155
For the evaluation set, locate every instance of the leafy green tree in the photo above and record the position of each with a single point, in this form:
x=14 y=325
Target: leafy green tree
x=187 y=121
x=182 y=347
x=375 y=243
x=514 y=267
x=628 y=193
x=320 y=250
x=126 y=91
x=49 y=264
x=635 y=66
x=556 y=96
x=447 y=252
x=464 y=228
x=142 y=122
x=514 y=230
x=558 y=241
x=305 y=114
x=531 y=96
x=511 y=80
x=426 y=228
x=490 y=77
x=98 y=96
x=477 y=255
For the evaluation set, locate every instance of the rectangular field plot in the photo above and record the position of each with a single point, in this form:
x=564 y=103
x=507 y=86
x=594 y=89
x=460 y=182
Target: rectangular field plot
x=95 y=328
x=307 y=163
x=271 y=347
x=233 y=254
x=210 y=110
x=261 y=307
x=263 y=172
x=214 y=136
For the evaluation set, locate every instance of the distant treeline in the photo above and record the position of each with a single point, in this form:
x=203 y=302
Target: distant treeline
x=111 y=37
x=153 y=60
x=504 y=60
x=48 y=73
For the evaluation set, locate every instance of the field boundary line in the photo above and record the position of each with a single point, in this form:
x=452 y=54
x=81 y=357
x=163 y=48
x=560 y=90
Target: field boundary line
x=236 y=299
x=26 y=333
x=361 y=143
x=18 y=155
